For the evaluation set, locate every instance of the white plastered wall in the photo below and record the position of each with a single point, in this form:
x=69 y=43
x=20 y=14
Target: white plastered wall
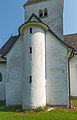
x=34 y=93
x=73 y=76
x=14 y=74
x=56 y=71
x=3 y=82
x=55 y=14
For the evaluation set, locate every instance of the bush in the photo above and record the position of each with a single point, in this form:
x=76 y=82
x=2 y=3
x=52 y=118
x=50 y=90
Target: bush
x=39 y=109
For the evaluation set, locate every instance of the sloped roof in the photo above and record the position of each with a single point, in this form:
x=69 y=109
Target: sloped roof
x=71 y=40
x=8 y=45
x=2 y=60
x=33 y=1
x=40 y=21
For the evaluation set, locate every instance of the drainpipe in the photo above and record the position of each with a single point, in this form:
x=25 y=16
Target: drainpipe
x=69 y=58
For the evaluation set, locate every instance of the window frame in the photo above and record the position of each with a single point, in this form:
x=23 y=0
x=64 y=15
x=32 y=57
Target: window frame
x=43 y=13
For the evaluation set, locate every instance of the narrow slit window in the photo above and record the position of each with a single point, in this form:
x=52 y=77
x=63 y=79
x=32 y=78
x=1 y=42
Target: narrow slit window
x=45 y=12
x=0 y=76
x=30 y=79
x=30 y=49
x=30 y=30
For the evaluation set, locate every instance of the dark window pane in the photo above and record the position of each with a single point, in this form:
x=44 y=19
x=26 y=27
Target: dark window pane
x=30 y=49
x=40 y=13
x=30 y=79
x=30 y=30
x=45 y=12
x=0 y=76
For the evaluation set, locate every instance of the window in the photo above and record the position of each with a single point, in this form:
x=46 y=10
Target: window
x=0 y=76
x=40 y=13
x=30 y=30
x=45 y=12
x=30 y=49
x=30 y=79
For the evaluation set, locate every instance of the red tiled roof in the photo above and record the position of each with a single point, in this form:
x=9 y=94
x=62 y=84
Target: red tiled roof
x=71 y=40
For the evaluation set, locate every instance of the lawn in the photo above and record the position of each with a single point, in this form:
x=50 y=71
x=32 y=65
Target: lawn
x=9 y=113
x=74 y=103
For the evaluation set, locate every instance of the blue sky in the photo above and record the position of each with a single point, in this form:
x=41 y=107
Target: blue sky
x=12 y=16
x=70 y=16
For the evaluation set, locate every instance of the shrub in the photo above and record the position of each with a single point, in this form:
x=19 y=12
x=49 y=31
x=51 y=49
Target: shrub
x=39 y=109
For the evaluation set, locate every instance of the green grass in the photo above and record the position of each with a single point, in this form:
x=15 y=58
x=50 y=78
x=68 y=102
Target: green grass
x=52 y=115
x=4 y=108
x=9 y=113
x=74 y=102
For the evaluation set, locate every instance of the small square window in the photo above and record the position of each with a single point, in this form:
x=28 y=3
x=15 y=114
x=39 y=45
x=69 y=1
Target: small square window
x=30 y=30
x=30 y=79
x=30 y=49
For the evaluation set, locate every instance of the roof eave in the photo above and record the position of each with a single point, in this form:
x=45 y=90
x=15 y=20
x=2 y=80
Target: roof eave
x=34 y=23
x=30 y=3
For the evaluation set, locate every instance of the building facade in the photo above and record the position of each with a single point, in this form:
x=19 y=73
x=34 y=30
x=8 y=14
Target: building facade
x=35 y=63
x=71 y=40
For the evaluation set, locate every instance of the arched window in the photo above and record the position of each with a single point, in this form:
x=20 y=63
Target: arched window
x=40 y=13
x=45 y=12
x=0 y=76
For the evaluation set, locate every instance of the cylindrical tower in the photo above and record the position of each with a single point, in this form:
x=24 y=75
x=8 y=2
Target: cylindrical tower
x=34 y=93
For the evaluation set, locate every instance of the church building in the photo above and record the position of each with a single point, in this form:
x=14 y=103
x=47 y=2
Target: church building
x=34 y=65
x=71 y=40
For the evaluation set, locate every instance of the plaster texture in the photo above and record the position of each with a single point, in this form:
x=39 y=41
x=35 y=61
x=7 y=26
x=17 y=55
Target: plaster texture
x=34 y=93
x=3 y=82
x=55 y=14
x=14 y=74
x=56 y=71
x=36 y=70
x=73 y=75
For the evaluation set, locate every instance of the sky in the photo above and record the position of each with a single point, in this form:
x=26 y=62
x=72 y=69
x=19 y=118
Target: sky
x=70 y=16
x=12 y=16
